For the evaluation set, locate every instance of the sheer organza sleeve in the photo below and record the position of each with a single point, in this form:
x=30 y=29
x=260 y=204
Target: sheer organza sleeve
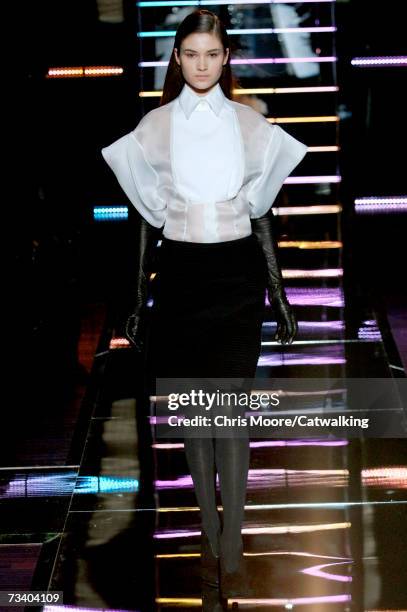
x=283 y=153
x=136 y=177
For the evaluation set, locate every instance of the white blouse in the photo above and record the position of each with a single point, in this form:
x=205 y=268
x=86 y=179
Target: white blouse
x=201 y=167
x=206 y=146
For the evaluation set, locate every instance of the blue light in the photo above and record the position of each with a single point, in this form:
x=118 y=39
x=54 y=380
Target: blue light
x=105 y=484
x=110 y=213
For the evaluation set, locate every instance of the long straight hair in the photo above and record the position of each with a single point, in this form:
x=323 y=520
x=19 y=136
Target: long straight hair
x=201 y=21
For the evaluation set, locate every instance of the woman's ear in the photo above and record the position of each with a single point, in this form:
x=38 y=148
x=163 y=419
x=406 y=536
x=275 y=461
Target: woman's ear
x=227 y=55
x=176 y=56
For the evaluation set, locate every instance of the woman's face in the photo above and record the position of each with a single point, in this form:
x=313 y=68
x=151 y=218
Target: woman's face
x=201 y=59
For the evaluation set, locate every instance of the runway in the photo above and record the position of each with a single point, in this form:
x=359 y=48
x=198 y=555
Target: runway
x=93 y=504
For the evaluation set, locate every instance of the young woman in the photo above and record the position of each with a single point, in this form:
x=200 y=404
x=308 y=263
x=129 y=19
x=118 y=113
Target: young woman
x=203 y=171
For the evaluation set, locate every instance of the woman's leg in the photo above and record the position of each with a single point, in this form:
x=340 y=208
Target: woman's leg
x=232 y=443
x=200 y=457
x=232 y=461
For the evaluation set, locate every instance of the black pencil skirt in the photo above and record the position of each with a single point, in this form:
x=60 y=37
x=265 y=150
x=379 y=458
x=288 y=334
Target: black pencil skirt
x=209 y=301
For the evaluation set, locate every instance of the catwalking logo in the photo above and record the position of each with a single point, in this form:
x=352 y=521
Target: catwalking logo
x=207 y=401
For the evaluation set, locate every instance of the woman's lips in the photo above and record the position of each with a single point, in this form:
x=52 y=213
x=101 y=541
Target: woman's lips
x=201 y=77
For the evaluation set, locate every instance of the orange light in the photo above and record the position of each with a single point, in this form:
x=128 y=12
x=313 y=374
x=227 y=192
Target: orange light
x=316 y=119
x=83 y=71
x=310 y=244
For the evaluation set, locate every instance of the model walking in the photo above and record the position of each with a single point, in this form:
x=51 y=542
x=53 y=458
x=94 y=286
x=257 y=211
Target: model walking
x=203 y=171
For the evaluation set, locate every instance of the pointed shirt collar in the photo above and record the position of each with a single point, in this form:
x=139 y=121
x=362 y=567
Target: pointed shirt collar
x=189 y=100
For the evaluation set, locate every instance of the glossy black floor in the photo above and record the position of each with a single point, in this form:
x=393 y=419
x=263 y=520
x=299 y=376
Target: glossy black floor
x=102 y=511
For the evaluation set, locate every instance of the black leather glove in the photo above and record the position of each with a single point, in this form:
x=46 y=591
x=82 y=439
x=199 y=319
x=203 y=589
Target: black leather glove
x=287 y=326
x=146 y=240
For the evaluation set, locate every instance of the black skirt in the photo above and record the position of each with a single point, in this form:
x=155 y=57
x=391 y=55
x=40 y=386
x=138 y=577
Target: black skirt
x=209 y=302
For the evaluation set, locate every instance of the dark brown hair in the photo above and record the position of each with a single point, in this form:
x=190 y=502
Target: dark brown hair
x=205 y=21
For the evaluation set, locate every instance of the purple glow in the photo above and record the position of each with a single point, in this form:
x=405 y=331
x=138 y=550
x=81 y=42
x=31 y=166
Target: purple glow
x=326 y=296
x=268 y=443
x=381 y=204
x=337 y=325
x=54 y=608
x=319 y=573
x=284 y=60
x=264 y=443
x=154 y=3
x=271 y=478
x=400 y=60
x=382 y=200
x=300 y=600
x=290 y=359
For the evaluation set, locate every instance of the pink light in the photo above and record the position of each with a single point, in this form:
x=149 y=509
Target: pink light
x=271 y=478
x=382 y=200
x=281 y=602
x=284 y=60
x=264 y=443
x=395 y=477
x=290 y=360
x=189 y=533
x=367 y=62
x=318 y=573
x=318 y=273
x=290 y=603
x=53 y=608
x=323 y=296
x=385 y=204
x=270 y=443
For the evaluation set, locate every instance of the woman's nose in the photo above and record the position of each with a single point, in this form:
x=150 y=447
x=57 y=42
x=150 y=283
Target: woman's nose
x=202 y=63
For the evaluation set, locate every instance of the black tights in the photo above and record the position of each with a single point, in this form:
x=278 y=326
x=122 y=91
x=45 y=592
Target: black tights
x=230 y=457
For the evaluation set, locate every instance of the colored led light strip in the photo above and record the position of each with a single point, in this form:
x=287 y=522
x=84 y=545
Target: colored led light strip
x=288 y=604
x=318 y=273
x=323 y=149
x=385 y=204
x=379 y=61
x=319 y=342
x=302 y=180
x=306 y=505
x=83 y=71
x=260 y=478
x=189 y=533
x=321 y=119
x=171 y=33
x=324 y=209
x=264 y=553
x=260 y=90
x=382 y=200
x=307 y=360
x=310 y=244
x=258 y=60
x=318 y=572
x=55 y=608
x=263 y=444
x=219 y=2
x=329 y=325
x=107 y=213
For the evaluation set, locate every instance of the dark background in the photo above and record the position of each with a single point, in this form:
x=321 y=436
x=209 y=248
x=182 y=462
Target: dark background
x=61 y=257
